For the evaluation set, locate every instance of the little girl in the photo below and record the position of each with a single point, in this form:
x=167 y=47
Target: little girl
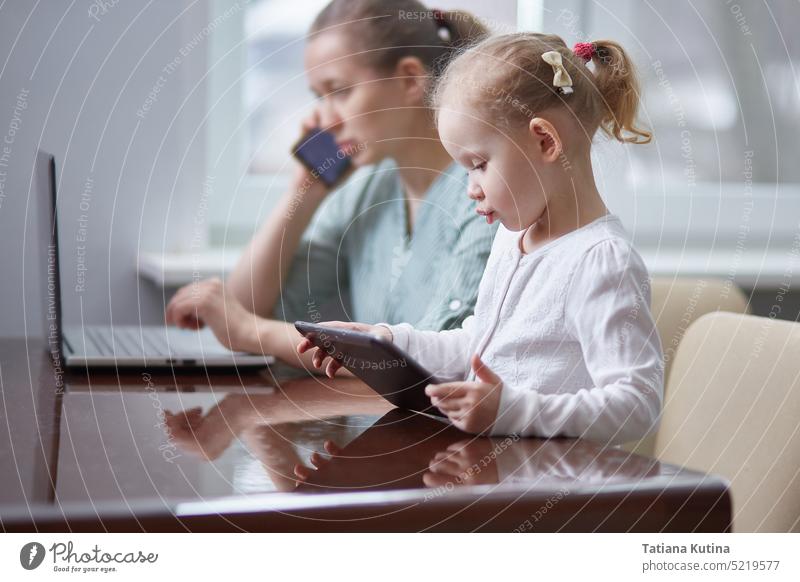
x=562 y=342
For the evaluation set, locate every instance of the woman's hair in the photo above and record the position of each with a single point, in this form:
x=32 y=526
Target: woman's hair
x=506 y=78
x=385 y=31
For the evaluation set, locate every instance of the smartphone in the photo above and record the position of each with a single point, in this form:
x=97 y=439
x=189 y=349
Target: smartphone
x=317 y=151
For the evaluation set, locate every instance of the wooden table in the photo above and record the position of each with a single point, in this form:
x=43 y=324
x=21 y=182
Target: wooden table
x=231 y=451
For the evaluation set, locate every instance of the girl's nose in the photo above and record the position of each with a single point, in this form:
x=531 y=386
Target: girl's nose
x=474 y=191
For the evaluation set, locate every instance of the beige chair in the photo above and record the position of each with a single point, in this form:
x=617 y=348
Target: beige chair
x=676 y=303
x=733 y=409
x=679 y=301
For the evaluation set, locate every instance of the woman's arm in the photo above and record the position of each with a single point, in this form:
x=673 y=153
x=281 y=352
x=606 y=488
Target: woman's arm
x=259 y=274
x=211 y=303
x=256 y=280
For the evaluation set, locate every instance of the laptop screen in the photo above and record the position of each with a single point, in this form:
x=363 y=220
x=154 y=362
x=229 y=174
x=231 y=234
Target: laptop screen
x=45 y=188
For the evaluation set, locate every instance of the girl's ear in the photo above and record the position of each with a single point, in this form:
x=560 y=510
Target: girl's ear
x=546 y=139
x=413 y=77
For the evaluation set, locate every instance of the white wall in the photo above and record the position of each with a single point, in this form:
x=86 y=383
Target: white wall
x=82 y=80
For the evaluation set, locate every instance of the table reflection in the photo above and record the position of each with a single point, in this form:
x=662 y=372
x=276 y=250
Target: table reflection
x=166 y=444
x=398 y=450
x=283 y=451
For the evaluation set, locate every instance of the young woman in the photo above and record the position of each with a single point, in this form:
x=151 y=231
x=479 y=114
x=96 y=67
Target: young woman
x=398 y=241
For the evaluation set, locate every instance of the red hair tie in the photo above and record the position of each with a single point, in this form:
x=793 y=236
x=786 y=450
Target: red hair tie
x=585 y=50
x=438 y=17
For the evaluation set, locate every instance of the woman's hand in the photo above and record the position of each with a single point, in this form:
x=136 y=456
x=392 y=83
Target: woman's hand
x=207 y=303
x=470 y=406
x=303 y=181
x=319 y=355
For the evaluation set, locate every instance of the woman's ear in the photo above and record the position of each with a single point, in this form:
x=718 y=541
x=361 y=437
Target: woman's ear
x=546 y=139
x=413 y=77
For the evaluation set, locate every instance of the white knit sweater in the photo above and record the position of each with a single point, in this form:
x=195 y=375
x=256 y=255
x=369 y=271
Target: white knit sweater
x=568 y=329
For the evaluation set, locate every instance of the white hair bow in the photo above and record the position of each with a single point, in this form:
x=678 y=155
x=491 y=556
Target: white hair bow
x=561 y=79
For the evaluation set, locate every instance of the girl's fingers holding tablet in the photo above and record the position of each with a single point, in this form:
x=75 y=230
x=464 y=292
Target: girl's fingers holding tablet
x=318 y=358
x=332 y=368
x=322 y=360
x=304 y=345
x=446 y=405
x=446 y=391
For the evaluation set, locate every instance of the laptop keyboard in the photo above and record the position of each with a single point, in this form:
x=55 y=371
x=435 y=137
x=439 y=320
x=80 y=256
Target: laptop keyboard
x=123 y=341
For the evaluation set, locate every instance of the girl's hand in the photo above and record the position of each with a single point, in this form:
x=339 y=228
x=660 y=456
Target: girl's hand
x=470 y=406
x=207 y=303
x=320 y=356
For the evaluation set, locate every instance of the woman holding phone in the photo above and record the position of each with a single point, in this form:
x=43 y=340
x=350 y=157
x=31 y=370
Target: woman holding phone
x=396 y=240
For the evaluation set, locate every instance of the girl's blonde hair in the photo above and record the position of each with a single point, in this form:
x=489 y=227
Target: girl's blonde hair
x=506 y=78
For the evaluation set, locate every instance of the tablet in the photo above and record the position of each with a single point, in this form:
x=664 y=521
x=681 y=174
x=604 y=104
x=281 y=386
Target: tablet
x=383 y=366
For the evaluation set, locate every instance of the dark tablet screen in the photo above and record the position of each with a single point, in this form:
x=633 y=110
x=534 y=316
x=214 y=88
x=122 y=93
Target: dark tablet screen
x=379 y=363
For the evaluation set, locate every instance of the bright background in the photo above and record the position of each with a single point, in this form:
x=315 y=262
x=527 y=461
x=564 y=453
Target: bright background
x=180 y=187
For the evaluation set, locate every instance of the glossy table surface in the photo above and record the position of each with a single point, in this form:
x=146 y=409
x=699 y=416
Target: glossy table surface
x=246 y=450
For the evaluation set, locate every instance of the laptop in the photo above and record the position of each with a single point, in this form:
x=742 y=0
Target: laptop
x=119 y=345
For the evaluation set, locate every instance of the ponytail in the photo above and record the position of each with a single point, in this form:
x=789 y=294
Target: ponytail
x=514 y=76
x=618 y=86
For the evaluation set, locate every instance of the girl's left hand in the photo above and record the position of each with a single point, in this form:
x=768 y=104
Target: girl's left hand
x=470 y=406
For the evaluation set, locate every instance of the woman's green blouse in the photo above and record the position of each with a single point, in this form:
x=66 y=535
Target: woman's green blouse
x=358 y=262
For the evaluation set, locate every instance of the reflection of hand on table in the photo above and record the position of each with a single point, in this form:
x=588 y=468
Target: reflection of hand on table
x=239 y=416
x=207 y=435
x=303 y=473
x=276 y=452
x=467 y=462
